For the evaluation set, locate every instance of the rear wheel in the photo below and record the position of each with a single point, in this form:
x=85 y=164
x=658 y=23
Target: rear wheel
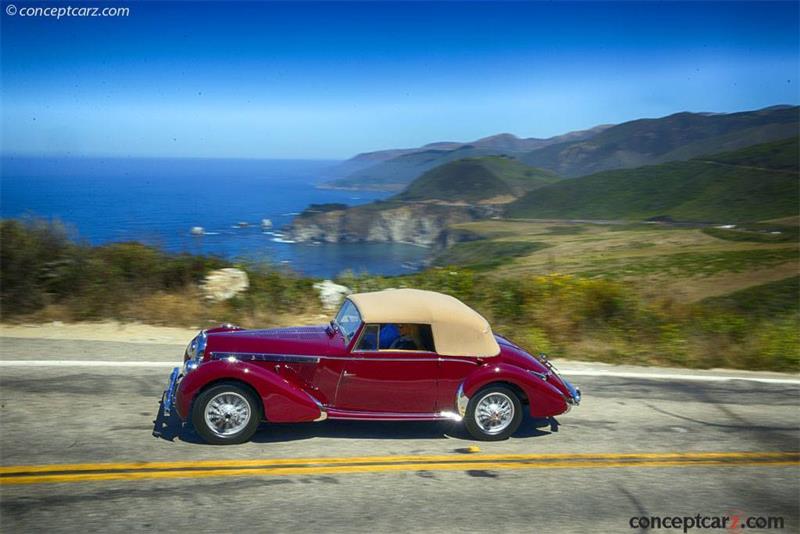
x=493 y=414
x=226 y=414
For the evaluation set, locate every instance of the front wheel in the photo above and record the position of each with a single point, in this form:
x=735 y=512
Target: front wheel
x=493 y=414
x=226 y=414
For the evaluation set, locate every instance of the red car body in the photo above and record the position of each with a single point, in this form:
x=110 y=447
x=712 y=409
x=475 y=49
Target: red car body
x=314 y=373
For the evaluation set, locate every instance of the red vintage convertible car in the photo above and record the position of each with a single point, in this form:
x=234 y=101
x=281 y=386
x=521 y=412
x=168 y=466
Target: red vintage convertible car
x=393 y=355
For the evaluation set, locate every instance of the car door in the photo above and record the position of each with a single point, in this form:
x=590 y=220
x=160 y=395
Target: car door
x=387 y=381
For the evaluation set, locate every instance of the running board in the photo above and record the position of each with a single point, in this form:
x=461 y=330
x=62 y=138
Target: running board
x=333 y=413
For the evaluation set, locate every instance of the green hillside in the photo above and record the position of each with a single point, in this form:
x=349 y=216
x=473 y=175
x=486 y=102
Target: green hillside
x=396 y=173
x=752 y=184
x=474 y=179
x=680 y=136
x=780 y=155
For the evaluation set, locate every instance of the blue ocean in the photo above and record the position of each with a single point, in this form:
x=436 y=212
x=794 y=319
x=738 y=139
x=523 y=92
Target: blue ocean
x=159 y=201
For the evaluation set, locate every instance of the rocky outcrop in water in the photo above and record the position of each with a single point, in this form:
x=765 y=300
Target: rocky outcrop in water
x=418 y=223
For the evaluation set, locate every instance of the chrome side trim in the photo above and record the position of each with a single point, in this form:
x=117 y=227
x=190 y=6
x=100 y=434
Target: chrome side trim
x=458 y=360
x=378 y=351
x=306 y=358
x=323 y=413
x=369 y=359
x=461 y=401
x=390 y=416
x=543 y=376
x=264 y=357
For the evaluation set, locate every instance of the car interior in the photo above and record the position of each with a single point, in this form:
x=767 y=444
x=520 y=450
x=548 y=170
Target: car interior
x=396 y=336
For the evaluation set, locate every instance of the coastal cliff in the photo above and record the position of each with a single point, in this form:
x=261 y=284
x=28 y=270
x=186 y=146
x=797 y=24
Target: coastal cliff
x=460 y=191
x=418 y=223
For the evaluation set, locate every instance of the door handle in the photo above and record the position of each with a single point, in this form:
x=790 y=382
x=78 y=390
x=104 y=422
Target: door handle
x=347 y=373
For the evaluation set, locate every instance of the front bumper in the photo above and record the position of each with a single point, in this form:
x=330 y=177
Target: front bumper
x=168 y=398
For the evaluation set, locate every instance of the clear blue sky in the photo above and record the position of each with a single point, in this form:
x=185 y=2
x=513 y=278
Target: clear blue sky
x=328 y=80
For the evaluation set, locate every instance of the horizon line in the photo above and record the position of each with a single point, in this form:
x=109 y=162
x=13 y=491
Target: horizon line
x=345 y=158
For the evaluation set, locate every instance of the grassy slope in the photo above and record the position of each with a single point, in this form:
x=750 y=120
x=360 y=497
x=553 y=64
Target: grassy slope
x=482 y=255
x=730 y=187
x=779 y=155
x=763 y=300
x=682 y=263
x=474 y=179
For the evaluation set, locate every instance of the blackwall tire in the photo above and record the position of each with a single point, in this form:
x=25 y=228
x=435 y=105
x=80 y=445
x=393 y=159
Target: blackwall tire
x=493 y=414
x=226 y=414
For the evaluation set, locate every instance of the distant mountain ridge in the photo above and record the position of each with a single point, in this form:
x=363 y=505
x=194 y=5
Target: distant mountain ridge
x=680 y=136
x=393 y=169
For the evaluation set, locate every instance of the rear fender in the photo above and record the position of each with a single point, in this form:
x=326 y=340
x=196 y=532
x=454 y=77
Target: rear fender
x=283 y=402
x=545 y=400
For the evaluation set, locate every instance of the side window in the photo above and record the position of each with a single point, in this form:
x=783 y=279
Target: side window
x=389 y=333
x=396 y=336
x=369 y=339
x=406 y=336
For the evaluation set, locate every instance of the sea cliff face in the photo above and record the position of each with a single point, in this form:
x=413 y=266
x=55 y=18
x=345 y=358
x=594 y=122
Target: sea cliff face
x=417 y=223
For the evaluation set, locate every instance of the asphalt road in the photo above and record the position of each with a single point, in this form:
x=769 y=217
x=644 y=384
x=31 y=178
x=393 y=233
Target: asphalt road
x=637 y=446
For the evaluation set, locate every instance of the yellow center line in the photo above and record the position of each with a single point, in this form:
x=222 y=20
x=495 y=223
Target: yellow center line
x=266 y=462
x=375 y=464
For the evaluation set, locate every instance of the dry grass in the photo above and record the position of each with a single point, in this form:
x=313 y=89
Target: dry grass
x=647 y=256
x=787 y=221
x=699 y=288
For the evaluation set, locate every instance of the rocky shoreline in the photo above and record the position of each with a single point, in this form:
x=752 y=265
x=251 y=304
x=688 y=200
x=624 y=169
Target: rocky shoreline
x=417 y=223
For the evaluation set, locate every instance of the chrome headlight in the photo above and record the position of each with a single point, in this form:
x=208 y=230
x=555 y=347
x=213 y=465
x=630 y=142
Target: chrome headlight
x=190 y=349
x=200 y=351
x=195 y=351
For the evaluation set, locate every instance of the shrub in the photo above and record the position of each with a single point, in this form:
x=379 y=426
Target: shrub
x=43 y=271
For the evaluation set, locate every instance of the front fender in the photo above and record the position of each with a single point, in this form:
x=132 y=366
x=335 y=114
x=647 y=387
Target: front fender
x=545 y=400
x=283 y=402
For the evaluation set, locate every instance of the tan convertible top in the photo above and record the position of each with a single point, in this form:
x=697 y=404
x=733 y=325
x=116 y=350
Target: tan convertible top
x=458 y=330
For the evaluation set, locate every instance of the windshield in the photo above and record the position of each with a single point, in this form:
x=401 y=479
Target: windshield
x=348 y=320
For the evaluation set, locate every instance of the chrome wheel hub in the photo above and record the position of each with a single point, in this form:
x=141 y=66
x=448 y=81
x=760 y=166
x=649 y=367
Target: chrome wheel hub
x=494 y=413
x=227 y=414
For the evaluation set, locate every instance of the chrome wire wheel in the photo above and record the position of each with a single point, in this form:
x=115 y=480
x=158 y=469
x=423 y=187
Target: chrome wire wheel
x=227 y=413
x=494 y=413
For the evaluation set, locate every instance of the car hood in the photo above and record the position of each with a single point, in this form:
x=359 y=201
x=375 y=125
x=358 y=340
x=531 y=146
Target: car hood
x=305 y=340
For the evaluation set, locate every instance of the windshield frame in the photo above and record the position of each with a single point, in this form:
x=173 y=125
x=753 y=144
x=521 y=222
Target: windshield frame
x=346 y=307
